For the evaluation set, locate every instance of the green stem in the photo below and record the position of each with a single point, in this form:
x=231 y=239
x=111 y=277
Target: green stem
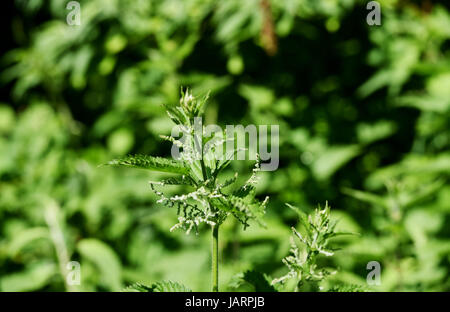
x=215 y=258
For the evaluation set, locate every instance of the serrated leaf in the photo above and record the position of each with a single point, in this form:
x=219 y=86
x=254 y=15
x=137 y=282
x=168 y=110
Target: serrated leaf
x=138 y=287
x=151 y=163
x=183 y=180
x=258 y=280
x=348 y=288
x=169 y=286
x=164 y=286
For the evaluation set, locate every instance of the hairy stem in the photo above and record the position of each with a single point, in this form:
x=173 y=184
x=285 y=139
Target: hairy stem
x=215 y=258
x=51 y=217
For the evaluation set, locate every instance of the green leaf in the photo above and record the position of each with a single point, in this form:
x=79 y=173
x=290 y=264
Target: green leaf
x=26 y=237
x=245 y=209
x=258 y=280
x=169 y=286
x=138 y=287
x=151 y=163
x=366 y=197
x=164 y=286
x=348 y=288
x=105 y=259
x=413 y=198
x=34 y=277
x=303 y=216
x=183 y=180
x=332 y=159
x=368 y=133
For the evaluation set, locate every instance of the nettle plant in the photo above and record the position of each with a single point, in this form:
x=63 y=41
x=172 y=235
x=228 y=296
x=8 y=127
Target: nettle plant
x=201 y=160
x=308 y=244
x=317 y=231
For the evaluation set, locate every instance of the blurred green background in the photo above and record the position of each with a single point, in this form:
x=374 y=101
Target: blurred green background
x=364 y=123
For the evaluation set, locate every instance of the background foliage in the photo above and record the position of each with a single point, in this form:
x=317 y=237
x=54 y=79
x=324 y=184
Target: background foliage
x=364 y=123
